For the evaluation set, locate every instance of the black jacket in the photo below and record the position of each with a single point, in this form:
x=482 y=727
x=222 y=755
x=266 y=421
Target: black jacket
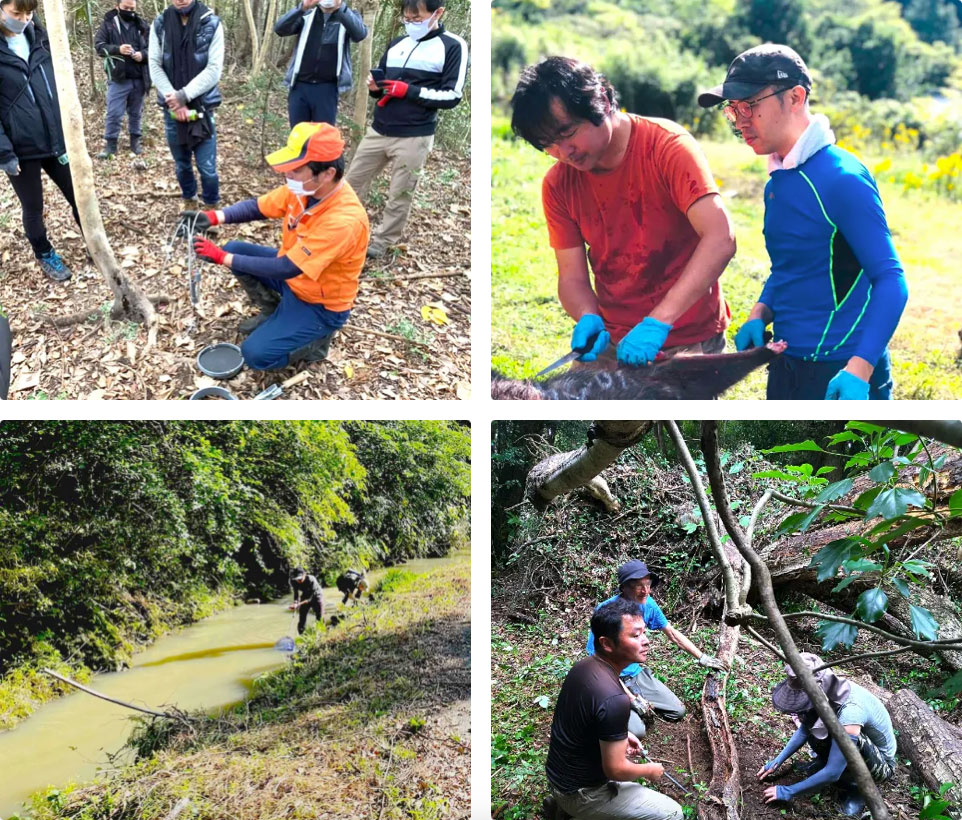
x=29 y=112
x=435 y=69
x=112 y=35
x=5 y=347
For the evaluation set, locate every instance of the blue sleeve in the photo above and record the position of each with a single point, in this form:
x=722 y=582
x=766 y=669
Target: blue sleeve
x=856 y=210
x=266 y=267
x=352 y=22
x=290 y=23
x=795 y=742
x=654 y=617
x=591 y=643
x=831 y=772
x=246 y=211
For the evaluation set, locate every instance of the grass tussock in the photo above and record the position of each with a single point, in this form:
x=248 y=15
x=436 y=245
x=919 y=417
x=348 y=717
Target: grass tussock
x=369 y=719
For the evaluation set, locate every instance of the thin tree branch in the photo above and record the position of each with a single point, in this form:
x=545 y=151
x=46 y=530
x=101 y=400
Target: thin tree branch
x=763 y=580
x=862 y=657
x=798 y=502
x=765 y=643
x=946 y=643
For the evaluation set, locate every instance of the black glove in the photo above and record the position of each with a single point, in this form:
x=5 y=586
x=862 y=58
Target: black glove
x=11 y=167
x=196 y=221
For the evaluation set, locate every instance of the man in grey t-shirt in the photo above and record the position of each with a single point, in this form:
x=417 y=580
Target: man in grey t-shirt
x=865 y=720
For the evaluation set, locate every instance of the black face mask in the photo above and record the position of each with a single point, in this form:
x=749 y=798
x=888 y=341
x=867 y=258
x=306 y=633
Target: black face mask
x=127 y=16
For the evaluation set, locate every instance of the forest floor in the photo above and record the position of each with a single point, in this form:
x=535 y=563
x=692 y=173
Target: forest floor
x=419 y=357
x=371 y=719
x=542 y=599
x=529 y=329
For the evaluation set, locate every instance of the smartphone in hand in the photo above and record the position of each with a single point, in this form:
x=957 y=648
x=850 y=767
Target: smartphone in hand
x=378 y=75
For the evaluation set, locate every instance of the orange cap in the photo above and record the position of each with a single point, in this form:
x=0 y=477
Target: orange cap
x=308 y=142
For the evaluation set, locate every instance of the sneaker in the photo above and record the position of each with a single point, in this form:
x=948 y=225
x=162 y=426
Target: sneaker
x=54 y=266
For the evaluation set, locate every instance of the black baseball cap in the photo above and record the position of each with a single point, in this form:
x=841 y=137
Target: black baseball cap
x=757 y=68
x=633 y=570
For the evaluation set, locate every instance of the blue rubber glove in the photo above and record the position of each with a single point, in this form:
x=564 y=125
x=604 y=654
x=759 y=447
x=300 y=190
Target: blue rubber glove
x=589 y=325
x=846 y=386
x=643 y=341
x=750 y=334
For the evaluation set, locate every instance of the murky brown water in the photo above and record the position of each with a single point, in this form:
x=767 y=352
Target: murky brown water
x=209 y=665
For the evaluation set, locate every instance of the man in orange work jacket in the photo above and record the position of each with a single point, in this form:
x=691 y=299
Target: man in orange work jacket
x=305 y=291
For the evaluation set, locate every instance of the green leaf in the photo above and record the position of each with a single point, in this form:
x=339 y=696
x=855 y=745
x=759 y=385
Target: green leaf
x=955 y=504
x=803 y=446
x=904 y=438
x=903 y=527
x=933 y=809
x=830 y=557
x=917 y=567
x=893 y=502
x=543 y=701
x=952 y=686
x=861 y=565
x=836 y=490
x=862 y=459
x=901 y=586
x=810 y=517
x=871 y=605
x=835 y=634
x=790 y=523
x=744 y=521
x=847 y=435
x=926 y=628
x=844 y=583
x=864 y=427
x=865 y=499
x=737 y=467
x=882 y=472
x=823 y=470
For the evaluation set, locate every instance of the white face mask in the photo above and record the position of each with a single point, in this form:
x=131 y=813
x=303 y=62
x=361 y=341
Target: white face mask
x=12 y=24
x=297 y=187
x=418 y=31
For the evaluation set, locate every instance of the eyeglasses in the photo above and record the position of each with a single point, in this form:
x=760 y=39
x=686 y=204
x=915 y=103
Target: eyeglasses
x=744 y=108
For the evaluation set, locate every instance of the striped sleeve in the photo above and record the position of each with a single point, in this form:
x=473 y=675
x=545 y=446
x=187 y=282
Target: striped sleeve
x=453 y=75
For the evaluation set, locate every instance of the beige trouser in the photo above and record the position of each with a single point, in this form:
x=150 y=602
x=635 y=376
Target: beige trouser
x=408 y=155
x=618 y=801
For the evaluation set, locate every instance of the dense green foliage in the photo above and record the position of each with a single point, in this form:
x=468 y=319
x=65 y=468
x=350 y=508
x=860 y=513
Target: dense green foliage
x=111 y=531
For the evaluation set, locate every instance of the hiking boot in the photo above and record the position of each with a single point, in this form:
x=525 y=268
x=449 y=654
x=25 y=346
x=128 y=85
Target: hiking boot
x=316 y=351
x=109 y=149
x=135 y=146
x=54 y=266
x=851 y=804
x=550 y=810
x=375 y=251
x=261 y=296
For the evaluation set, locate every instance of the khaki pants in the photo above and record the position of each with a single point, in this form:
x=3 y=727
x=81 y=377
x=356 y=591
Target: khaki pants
x=618 y=801
x=407 y=155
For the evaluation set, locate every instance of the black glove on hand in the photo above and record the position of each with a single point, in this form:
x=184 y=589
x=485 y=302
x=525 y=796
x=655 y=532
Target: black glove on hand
x=11 y=167
x=196 y=221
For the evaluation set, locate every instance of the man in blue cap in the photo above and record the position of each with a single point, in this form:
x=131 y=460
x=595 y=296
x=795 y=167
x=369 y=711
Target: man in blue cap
x=651 y=696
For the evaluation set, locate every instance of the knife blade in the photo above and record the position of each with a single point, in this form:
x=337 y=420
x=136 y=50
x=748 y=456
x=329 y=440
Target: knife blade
x=569 y=357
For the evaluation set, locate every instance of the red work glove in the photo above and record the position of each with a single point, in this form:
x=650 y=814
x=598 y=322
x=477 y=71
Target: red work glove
x=206 y=249
x=392 y=88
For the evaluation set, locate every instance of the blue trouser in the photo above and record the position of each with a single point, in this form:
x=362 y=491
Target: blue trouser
x=294 y=324
x=312 y=102
x=125 y=96
x=791 y=378
x=205 y=155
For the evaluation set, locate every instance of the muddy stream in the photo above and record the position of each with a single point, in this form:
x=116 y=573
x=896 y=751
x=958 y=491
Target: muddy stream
x=208 y=665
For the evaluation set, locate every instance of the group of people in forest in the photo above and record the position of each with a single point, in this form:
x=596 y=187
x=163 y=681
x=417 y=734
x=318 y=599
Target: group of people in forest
x=309 y=594
x=595 y=755
x=305 y=290
x=634 y=197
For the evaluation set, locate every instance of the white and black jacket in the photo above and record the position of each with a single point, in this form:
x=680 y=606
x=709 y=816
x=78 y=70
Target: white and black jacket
x=435 y=69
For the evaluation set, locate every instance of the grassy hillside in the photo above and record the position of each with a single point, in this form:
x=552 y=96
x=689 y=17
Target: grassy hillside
x=370 y=719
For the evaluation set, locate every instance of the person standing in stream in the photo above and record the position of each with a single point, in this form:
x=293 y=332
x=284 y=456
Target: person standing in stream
x=186 y=60
x=308 y=597
x=31 y=136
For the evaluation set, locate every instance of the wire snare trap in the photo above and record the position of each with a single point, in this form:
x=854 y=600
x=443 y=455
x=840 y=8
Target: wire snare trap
x=185 y=229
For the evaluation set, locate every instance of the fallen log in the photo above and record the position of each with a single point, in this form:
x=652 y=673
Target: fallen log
x=933 y=745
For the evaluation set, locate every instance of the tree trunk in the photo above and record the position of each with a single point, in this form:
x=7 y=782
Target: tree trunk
x=130 y=303
x=252 y=27
x=94 y=93
x=564 y=472
x=933 y=745
x=261 y=52
x=363 y=68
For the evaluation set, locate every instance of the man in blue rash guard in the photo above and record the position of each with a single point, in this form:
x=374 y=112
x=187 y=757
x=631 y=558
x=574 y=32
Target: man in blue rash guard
x=649 y=695
x=836 y=289
x=864 y=719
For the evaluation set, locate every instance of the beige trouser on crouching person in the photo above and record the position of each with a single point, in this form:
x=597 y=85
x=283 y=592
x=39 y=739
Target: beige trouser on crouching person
x=407 y=155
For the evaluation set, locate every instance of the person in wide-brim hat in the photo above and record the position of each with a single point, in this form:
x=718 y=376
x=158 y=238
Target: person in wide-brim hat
x=865 y=720
x=635 y=583
x=306 y=289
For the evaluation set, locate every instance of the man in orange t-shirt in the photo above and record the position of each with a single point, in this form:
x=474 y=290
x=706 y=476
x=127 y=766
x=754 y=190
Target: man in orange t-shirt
x=634 y=197
x=306 y=289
